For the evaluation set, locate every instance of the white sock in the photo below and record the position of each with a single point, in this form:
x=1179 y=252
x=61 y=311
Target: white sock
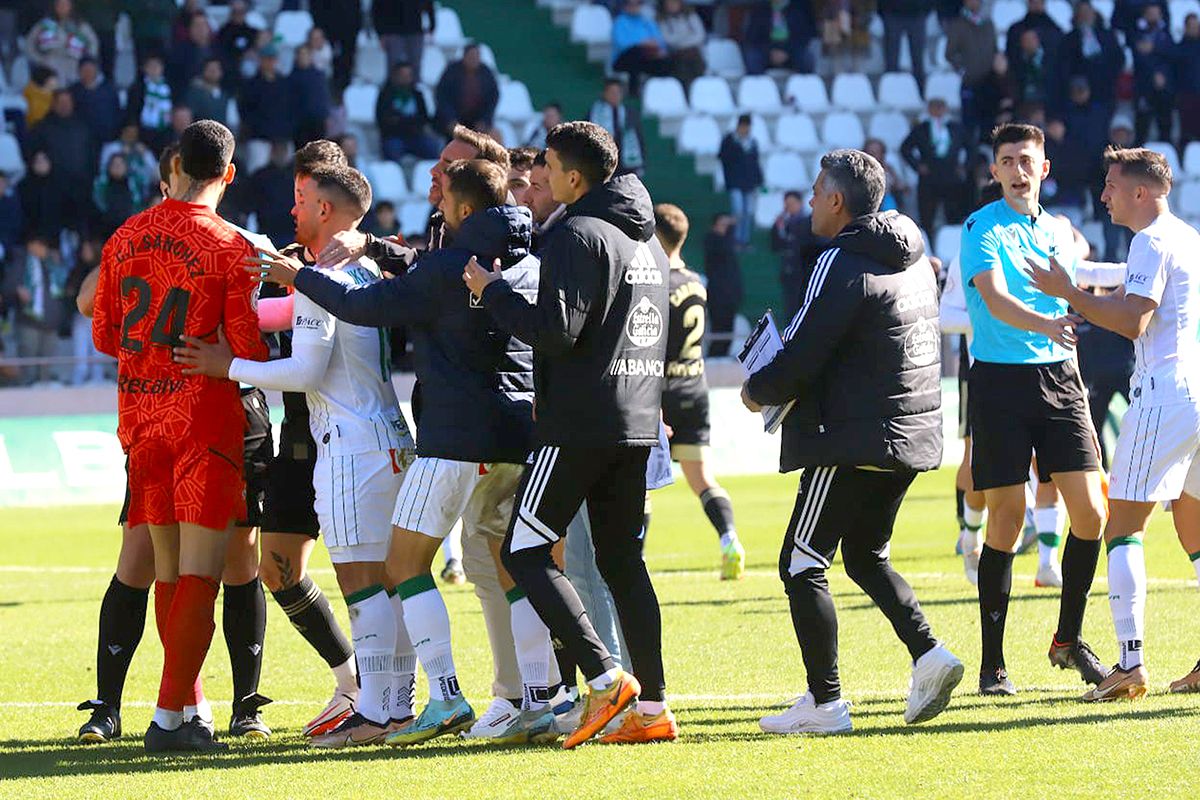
x=1127 y=598
x=452 y=544
x=203 y=710
x=373 y=628
x=648 y=708
x=167 y=720
x=531 y=638
x=346 y=675
x=404 y=666
x=974 y=517
x=1047 y=521
x=428 y=625
x=728 y=538
x=604 y=679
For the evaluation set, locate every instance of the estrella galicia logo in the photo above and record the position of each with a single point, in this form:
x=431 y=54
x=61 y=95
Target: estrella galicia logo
x=922 y=343
x=644 y=326
x=642 y=269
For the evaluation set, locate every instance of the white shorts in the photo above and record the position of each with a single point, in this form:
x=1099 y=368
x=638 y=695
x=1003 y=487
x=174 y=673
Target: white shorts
x=354 y=499
x=1158 y=454
x=438 y=492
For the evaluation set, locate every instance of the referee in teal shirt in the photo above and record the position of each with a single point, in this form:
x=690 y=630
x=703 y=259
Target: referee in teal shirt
x=1026 y=398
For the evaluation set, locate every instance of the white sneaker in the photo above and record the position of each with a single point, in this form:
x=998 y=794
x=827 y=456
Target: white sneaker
x=805 y=716
x=1049 y=576
x=567 y=722
x=934 y=677
x=498 y=718
x=339 y=707
x=970 y=543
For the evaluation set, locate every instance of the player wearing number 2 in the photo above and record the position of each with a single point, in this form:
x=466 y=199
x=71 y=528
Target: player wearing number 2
x=685 y=394
x=172 y=270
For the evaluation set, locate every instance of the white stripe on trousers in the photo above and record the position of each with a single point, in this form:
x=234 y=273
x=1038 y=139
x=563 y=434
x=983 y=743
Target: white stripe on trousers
x=531 y=498
x=810 y=514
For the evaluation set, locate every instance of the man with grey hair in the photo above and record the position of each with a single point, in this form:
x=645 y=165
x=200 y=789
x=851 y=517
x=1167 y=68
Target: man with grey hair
x=861 y=364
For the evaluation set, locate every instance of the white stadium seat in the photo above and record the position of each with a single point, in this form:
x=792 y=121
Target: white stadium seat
x=797 y=132
x=700 y=135
x=433 y=64
x=767 y=209
x=842 y=129
x=852 y=92
x=807 y=93
x=448 y=32
x=515 y=103
x=890 y=127
x=1005 y=13
x=488 y=57
x=947 y=242
x=1104 y=8
x=591 y=24
x=370 y=61
x=1179 y=9
x=387 y=181
x=664 y=98
x=759 y=132
x=413 y=217
x=710 y=95
x=1061 y=12
x=785 y=171
x=255 y=155
x=1168 y=150
x=421 y=179
x=758 y=94
x=293 y=27
x=946 y=85
x=899 y=91
x=1191 y=160
x=1189 y=200
x=360 y=102
x=11 y=162
x=724 y=58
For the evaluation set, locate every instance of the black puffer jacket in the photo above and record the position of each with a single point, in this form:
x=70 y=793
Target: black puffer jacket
x=476 y=380
x=862 y=357
x=599 y=327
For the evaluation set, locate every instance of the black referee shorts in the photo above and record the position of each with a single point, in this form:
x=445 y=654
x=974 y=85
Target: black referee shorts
x=1018 y=410
x=259 y=448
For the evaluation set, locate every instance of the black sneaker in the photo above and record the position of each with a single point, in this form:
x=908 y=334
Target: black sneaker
x=1079 y=656
x=247 y=719
x=190 y=737
x=104 y=724
x=995 y=682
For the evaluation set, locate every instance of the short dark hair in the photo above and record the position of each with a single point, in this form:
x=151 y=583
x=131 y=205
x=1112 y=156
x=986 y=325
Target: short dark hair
x=614 y=82
x=486 y=147
x=477 y=181
x=522 y=158
x=1141 y=164
x=205 y=148
x=585 y=147
x=344 y=186
x=553 y=104
x=857 y=176
x=671 y=225
x=744 y=119
x=1015 y=133
x=164 y=162
x=382 y=204
x=315 y=154
x=793 y=193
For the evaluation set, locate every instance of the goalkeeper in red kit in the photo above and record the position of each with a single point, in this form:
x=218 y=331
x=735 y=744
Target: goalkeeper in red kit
x=174 y=270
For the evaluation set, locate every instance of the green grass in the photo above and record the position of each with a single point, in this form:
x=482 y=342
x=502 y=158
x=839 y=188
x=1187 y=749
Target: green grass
x=730 y=658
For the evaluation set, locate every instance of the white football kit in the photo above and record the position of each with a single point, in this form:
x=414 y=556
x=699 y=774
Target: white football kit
x=363 y=443
x=1158 y=452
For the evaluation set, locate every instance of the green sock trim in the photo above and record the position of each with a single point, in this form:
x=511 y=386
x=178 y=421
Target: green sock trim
x=363 y=594
x=1194 y=556
x=415 y=586
x=1124 y=540
x=514 y=594
x=1050 y=539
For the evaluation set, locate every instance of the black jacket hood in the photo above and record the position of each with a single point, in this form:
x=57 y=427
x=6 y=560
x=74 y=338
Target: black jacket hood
x=503 y=232
x=888 y=238
x=623 y=202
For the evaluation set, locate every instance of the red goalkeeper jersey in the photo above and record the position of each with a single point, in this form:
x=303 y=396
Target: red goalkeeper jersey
x=175 y=269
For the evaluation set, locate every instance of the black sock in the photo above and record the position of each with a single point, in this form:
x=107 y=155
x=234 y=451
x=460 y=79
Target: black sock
x=245 y=622
x=995 y=585
x=1078 y=569
x=960 y=507
x=718 y=509
x=308 y=609
x=815 y=623
x=122 y=620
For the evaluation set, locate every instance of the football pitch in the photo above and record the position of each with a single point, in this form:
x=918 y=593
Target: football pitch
x=730 y=654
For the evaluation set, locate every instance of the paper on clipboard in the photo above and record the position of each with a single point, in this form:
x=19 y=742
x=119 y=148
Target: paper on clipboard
x=760 y=349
